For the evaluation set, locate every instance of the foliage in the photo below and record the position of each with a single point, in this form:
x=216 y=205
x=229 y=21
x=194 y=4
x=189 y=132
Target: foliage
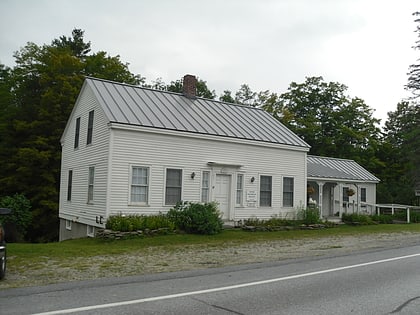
x=36 y=99
x=129 y=223
x=413 y=84
x=355 y=218
x=202 y=89
x=400 y=151
x=21 y=215
x=330 y=121
x=382 y=218
x=309 y=216
x=272 y=222
x=197 y=218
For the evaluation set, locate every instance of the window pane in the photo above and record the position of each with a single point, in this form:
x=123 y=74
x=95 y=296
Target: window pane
x=345 y=194
x=139 y=184
x=265 y=191
x=90 y=128
x=69 y=185
x=173 y=186
x=91 y=179
x=363 y=194
x=77 y=133
x=239 y=189
x=205 y=186
x=288 y=191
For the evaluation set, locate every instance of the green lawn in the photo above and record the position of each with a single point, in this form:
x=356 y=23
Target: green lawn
x=88 y=247
x=89 y=258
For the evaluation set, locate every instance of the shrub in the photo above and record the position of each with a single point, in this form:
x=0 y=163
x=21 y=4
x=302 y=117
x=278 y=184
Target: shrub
x=196 y=218
x=309 y=216
x=274 y=221
x=382 y=218
x=20 y=218
x=355 y=218
x=134 y=222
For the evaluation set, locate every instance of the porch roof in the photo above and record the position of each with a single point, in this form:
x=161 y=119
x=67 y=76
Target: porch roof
x=320 y=167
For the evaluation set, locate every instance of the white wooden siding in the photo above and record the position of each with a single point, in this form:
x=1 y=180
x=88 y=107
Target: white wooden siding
x=79 y=160
x=159 y=151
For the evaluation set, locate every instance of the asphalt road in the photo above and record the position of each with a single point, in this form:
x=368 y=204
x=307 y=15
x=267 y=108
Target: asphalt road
x=370 y=282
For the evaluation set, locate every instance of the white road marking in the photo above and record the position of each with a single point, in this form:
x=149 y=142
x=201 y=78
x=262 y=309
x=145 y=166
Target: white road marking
x=231 y=287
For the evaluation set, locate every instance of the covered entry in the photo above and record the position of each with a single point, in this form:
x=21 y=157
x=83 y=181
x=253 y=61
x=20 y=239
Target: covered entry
x=337 y=186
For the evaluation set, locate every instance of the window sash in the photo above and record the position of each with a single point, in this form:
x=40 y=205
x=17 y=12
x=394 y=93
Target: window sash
x=345 y=194
x=90 y=128
x=205 y=186
x=90 y=183
x=69 y=185
x=77 y=133
x=173 y=189
x=239 y=189
x=139 y=184
x=288 y=191
x=265 y=191
x=363 y=194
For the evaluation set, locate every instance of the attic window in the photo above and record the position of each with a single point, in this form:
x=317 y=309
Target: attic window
x=90 y=128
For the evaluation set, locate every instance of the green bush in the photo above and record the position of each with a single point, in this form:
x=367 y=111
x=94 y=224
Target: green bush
x=382 y=218
x=196 y=218
x=134 y=222
x=21 y=217
x=309 y=216
x=270 y=222
x=355 y=218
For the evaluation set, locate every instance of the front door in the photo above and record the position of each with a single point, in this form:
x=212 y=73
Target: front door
x=222 y=194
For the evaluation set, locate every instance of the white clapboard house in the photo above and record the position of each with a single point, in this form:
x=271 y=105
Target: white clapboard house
x=133 y=150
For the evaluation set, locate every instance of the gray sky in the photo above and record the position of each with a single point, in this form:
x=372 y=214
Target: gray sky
x=267 y=44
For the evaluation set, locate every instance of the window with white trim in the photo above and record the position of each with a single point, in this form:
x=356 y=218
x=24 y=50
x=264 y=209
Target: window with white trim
x=69 y=184
x=90 y=128
x=363 y=194
x=205 y=186
x=173 y=187
x=90 y=184
x=239 y=189
x=90 y=231
x=77 y=133
x=139 y=185
x=346 y=194
x=288 y=191
x=265 y=190
x=68 y=225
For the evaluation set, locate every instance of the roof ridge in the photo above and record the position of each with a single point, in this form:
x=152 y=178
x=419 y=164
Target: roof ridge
x=330 y=158
x=174 y=93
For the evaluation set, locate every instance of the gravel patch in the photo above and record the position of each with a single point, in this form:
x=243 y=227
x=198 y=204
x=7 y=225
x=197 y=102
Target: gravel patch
x=192 y=257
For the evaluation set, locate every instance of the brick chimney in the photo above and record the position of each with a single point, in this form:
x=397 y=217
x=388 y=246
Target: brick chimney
x=189 y=86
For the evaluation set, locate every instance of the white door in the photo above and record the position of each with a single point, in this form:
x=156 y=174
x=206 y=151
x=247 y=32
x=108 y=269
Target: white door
x=222 y=194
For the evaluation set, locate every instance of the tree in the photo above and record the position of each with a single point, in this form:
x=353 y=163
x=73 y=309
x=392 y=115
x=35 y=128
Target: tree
x=401 y=152
x=37 y=97
x=19 y=219
x=227 y=97
x=330 y=121
x=413 y=84
x=202 y=89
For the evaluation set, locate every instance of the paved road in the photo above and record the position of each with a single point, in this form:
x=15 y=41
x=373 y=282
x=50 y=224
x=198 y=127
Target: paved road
x=374 y=282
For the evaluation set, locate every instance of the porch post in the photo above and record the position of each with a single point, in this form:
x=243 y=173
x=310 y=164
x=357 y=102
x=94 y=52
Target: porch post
x=357 y=197
x=340 y=198
x=320 y=198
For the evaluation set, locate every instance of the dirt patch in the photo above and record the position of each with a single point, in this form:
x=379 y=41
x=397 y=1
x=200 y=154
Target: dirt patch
x=156 y=260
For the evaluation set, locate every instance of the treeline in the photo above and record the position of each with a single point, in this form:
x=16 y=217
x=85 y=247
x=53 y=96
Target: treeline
x=37 y=96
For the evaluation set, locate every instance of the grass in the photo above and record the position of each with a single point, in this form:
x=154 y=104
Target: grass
x=24 y=253
x=39 y=264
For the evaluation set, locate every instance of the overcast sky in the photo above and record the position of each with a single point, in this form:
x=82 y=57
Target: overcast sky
x=267 y=44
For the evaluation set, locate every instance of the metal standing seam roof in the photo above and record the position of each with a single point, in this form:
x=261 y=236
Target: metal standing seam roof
x=134 y=105
x=326 y=167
